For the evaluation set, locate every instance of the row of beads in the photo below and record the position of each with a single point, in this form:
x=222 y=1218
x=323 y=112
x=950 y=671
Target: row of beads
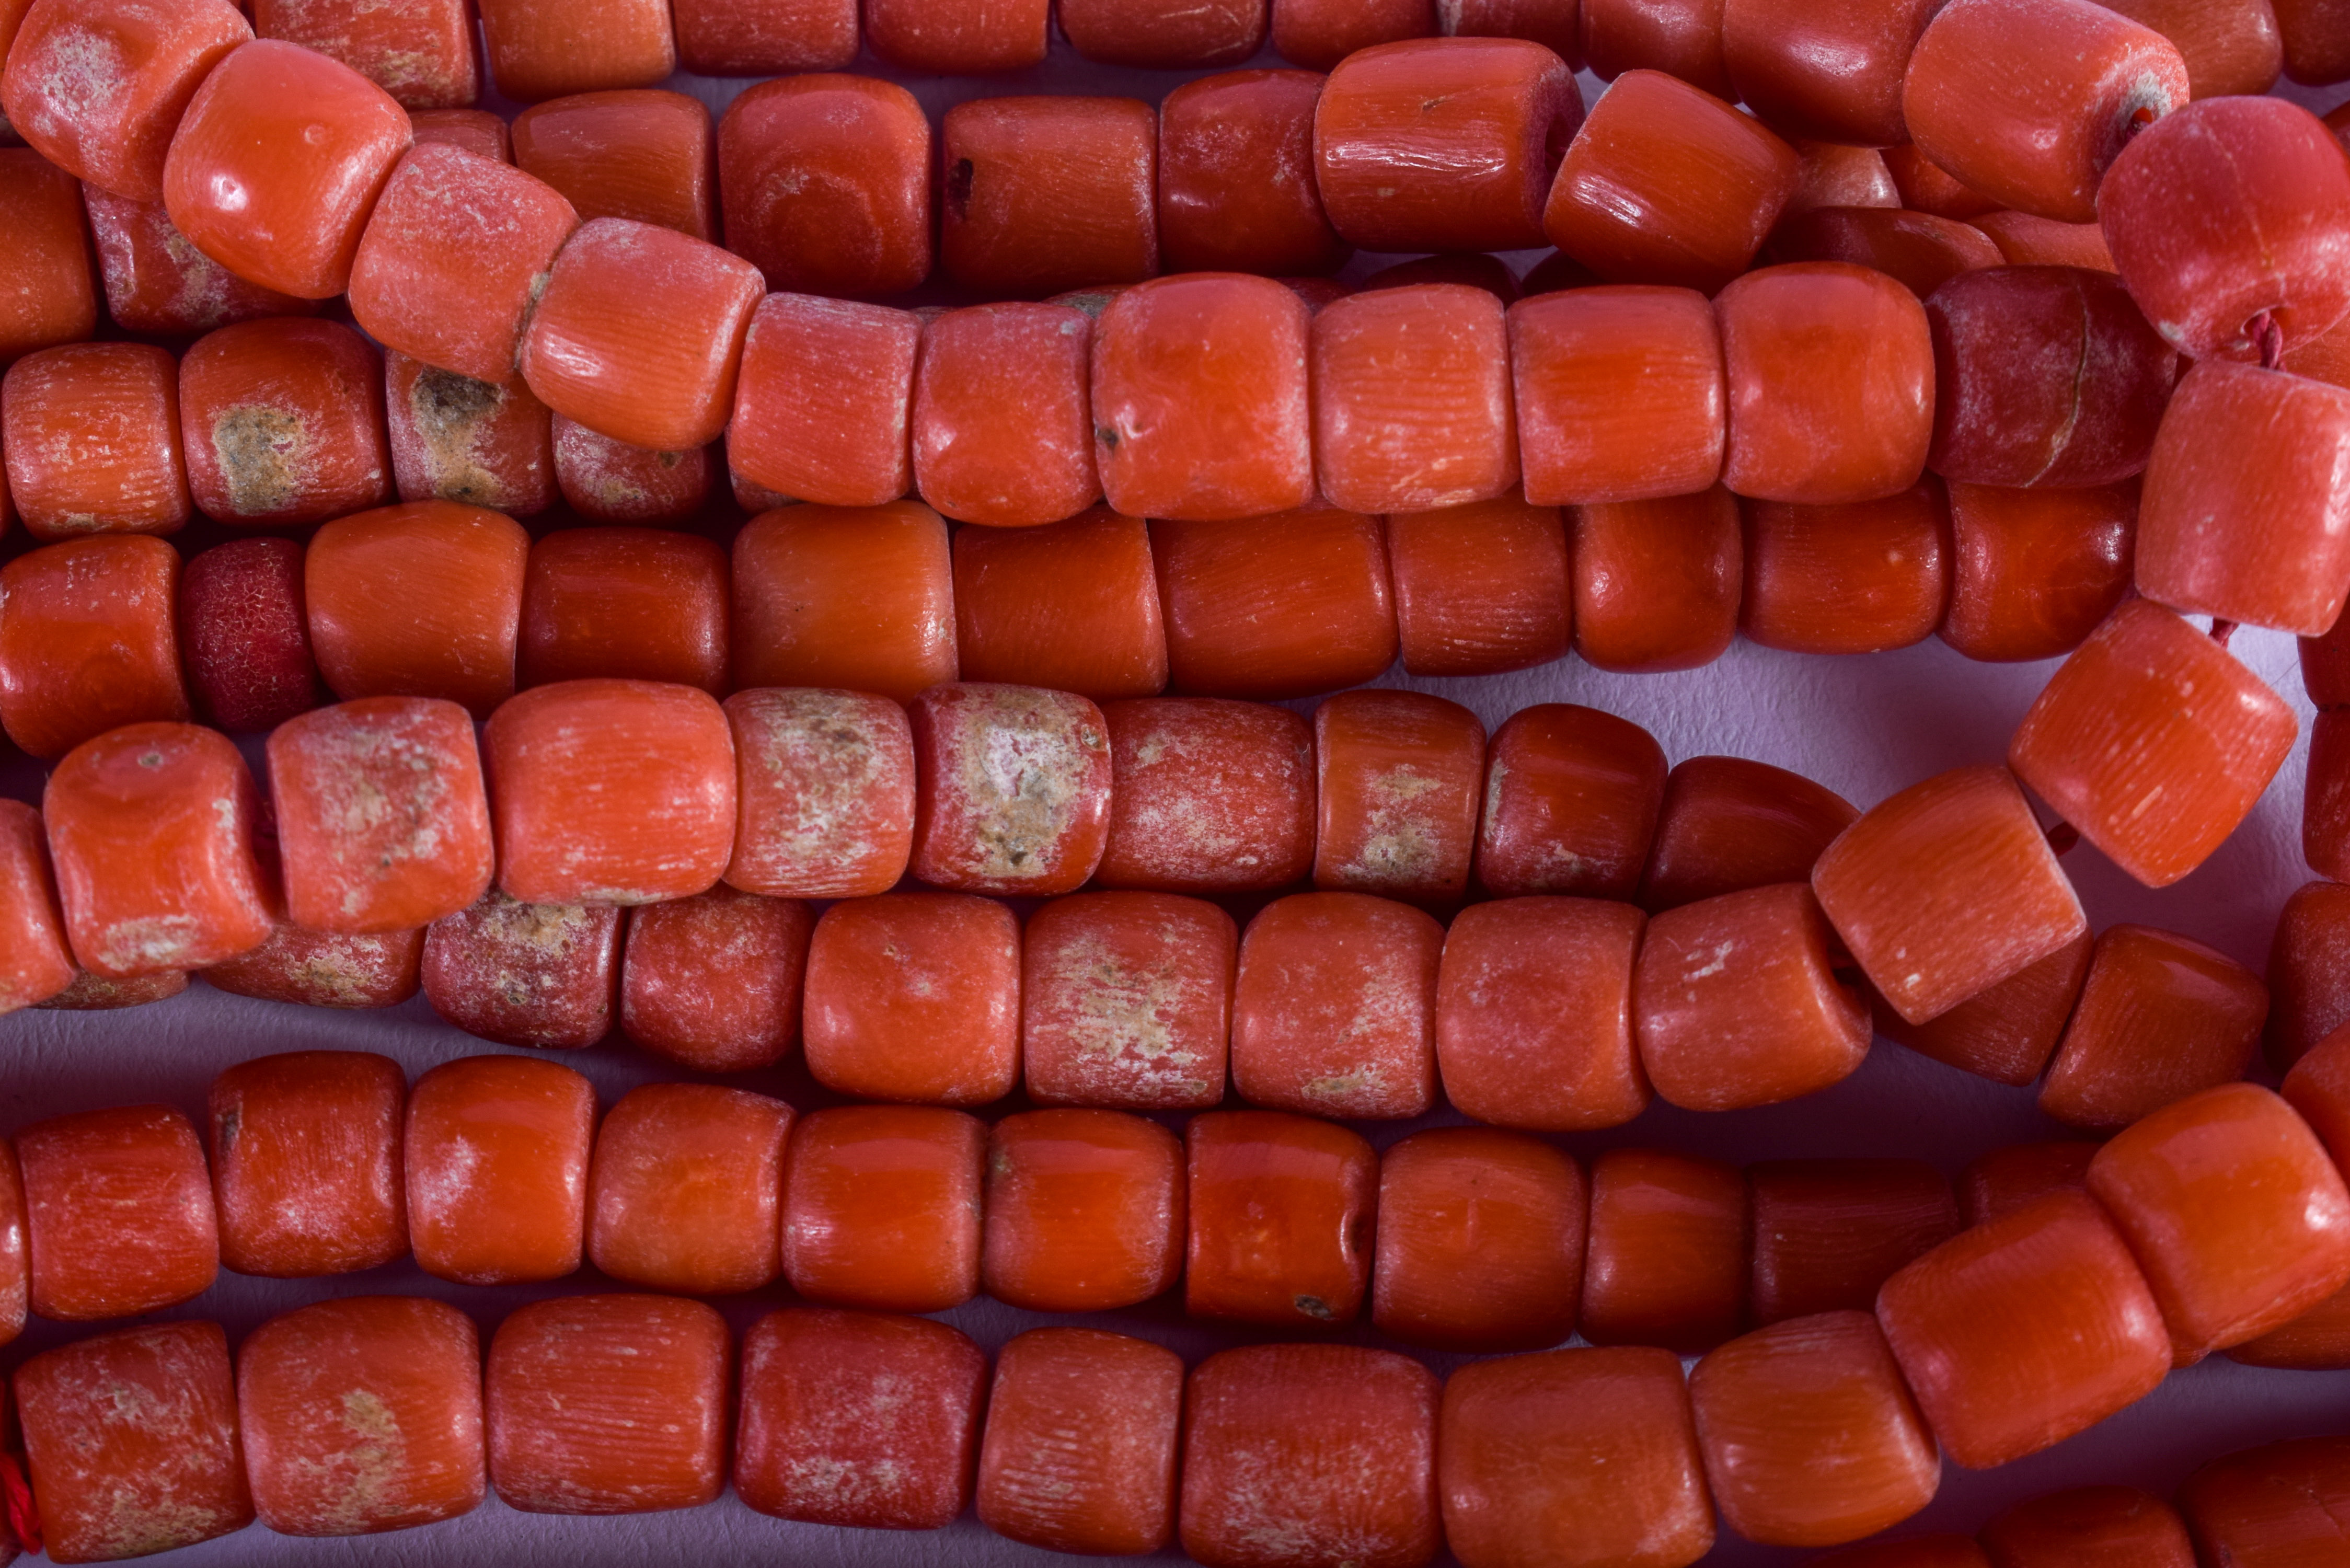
x=2204 y=1225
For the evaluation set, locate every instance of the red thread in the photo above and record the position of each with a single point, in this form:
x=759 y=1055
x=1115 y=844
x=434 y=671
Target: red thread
x=2221 y=630
x=23 y=1518
x=2263 y=330
x=2062 y=838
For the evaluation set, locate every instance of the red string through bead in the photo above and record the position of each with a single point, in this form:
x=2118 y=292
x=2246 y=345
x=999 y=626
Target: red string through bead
x=2263 y=330
x=2223 y=628
x=2062 y=838
x=24 y=1516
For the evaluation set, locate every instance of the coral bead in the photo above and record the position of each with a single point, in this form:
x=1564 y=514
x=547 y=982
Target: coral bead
x=2007 y=1032
x=1126 y=1002
x=153 y=829
x=2090 y=1527
x=2159 y=1018
x=525 y=974
x=2005 y=1179
x=881 y=1207
x=279 y=162
x=324 y=969
x=1320 y=33
x=1810 y=1437
x=2154 y=741
x=1919 y=250
x=284 y=424
x=1042 y=194
x=454 y=257
x=2308 y=970
x=1834 y=72
x=683 y=1188
x=1334 y=1007
x=1620 y=394
x=2021 y=1331
x=496 y=1151
x=1829 y=1233
x=1279 y=1212
x=2026 y=239
x=474 y=130
x=1725 y=824
x=1014 y=785
x=1680 y=37
x=2033 y=572
x=1481 y=1241
x=1208 y=796
x=1830 y=370
x=35 y=963
x=851 y=1418
x=1858 y=577
x=823 y=409
x=826 y=183
x=131 y=1439
x=1112 y=1494
x=1666 y=1259
x=156 y=282
x=1445 y=144
x=1084 y=1210
x=825 y=793
x=2028 y=101
x=244 y=635
x=1072 y=606
x=1398 y=776
x=606 y=1404
x=81 y=1173
x=53 y=300
x=422 y=55
x=422 y=599
x=764 y=38
x=1137 y=33
x=1533 y=1014
x=317 y=1390
x=92 y=441
x=1002 y=427
x=640 y=154
x=1665 y=183
x=638 y=604
x=1277 y=607
x=1411 y=399
x=87 y=641
x=99 y=90
x=540 y=49
x=1571 y=801
x=485 y=444
x=1656 y=583
x=306 y=1165
x=915 y=997
x=1481 y=588
x=712 y=983
x=2277 y=1505
x=860 y=597
x=1944 y=890
x=1235 y=187
x=1352 y=1431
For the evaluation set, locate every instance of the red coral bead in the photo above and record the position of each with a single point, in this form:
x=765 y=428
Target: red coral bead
x=495 y=1151
x=54 y=301
x=824 y=408
x=1481 y=588
x=1113 y=1494
x=1832 y=71
x=1620 y=394
x=1002 y=426
x=860 y=597
x=712 y=983
x=422 y=599
x=1334 y=1007
x=683 y=1188
x=1481 y=1241
x=1398 y=777
x=244 y=635
x=2159 y=1018
x=1208 y=796
x=1126 y=1002
x=307 y=1163
x=1234 y=192
x=915 y=997
x=284 y=424
x=1084 y=1210
x=824 y=793
x=1533 y=1014
x=825 y=181
x=99 y=90
x=1072 y=606
x=1041 y=194
x=87 y=642
x=640 y=154
x=81 y=1173
x=1667 y=1259
x=539 y=49
x=881 y=1207
x=1656 y=583
x=1276 y=607
x=525 y=975
x=1726 y=824
x=2033 y=572
x=485 y=444
x=2090 y=1527
x=639 y=604
x=1829 y=1233
x=1279 y=1212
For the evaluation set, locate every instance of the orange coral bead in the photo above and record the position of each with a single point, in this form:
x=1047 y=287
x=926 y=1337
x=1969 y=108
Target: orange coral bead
x=1533 y=1014
x=35 y=963
x=1334 y=1007
x=1126 y=1002
x=1859 y=577
x=525 y=974
x=2026 y=239
x=82 y=1173
x=324 y=969
x=2317 y=1341
x=454 y=258
x=2007 y=1032
x=2309 y=971
x=456 y=439
x=1398 y=776
x=87 y=641
x=1620 y=394
x=823 y=412
x=825 y=793
x=422 y=599
x=956 y=38
x=2318 y=1087
x=1481 y=588
x=639 y=334
x=860 y=597
x=319 y=1387
x=851 y=1418
x=1279 y=606
x=683 y=1188
x=277 y=165
x=1002 y=428
x=826 y=181
x=1208 y=796
x=1836 y=175
x=1084 y=1210
x=1072 y=606
x=1657 y=582
x=1726 y=825
x=881 y=1207
x=1411 y=399
x=1235 y=190
x=54 y=300
x=2033 y=571
x=763 y=37
x=92 y=441
x=1682 y=37
x=307 y=1173
x=2004 y=1180
x=1199 y=398
x=476 y=130
x=606 y=1404
x=1665 y=183
x=2233 y=1209
x=156 y=282
x=284 y=424
x=608 y=481
x=915 y=997
x=1571 y=800
x=153 y=828
x=540 y=49
x=1042 y=194
x=1112 y=1494
x=1128 y=33
x=1829 y=1233
x=2272 y=1507
x=1481 y=1241
x=637 y=154
x=635 y=603
x=1810 y=1437
x=1830 y=370
x=2090 y=1527
x=1944 y=890
x=422 y=55
x=1666 y=1262
x=712 y=983
x=2019 y=1332
x=99 y=88
x=2154 y=741
x=1829 y=71
x=1735 y=1002
x=2159 y=1018
x=131 y=1439
x=1279 y=1212
x=496 y=1152
x=1319 y=33
x=1919 y=250
x=1014 y=788
x=1444 y=144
